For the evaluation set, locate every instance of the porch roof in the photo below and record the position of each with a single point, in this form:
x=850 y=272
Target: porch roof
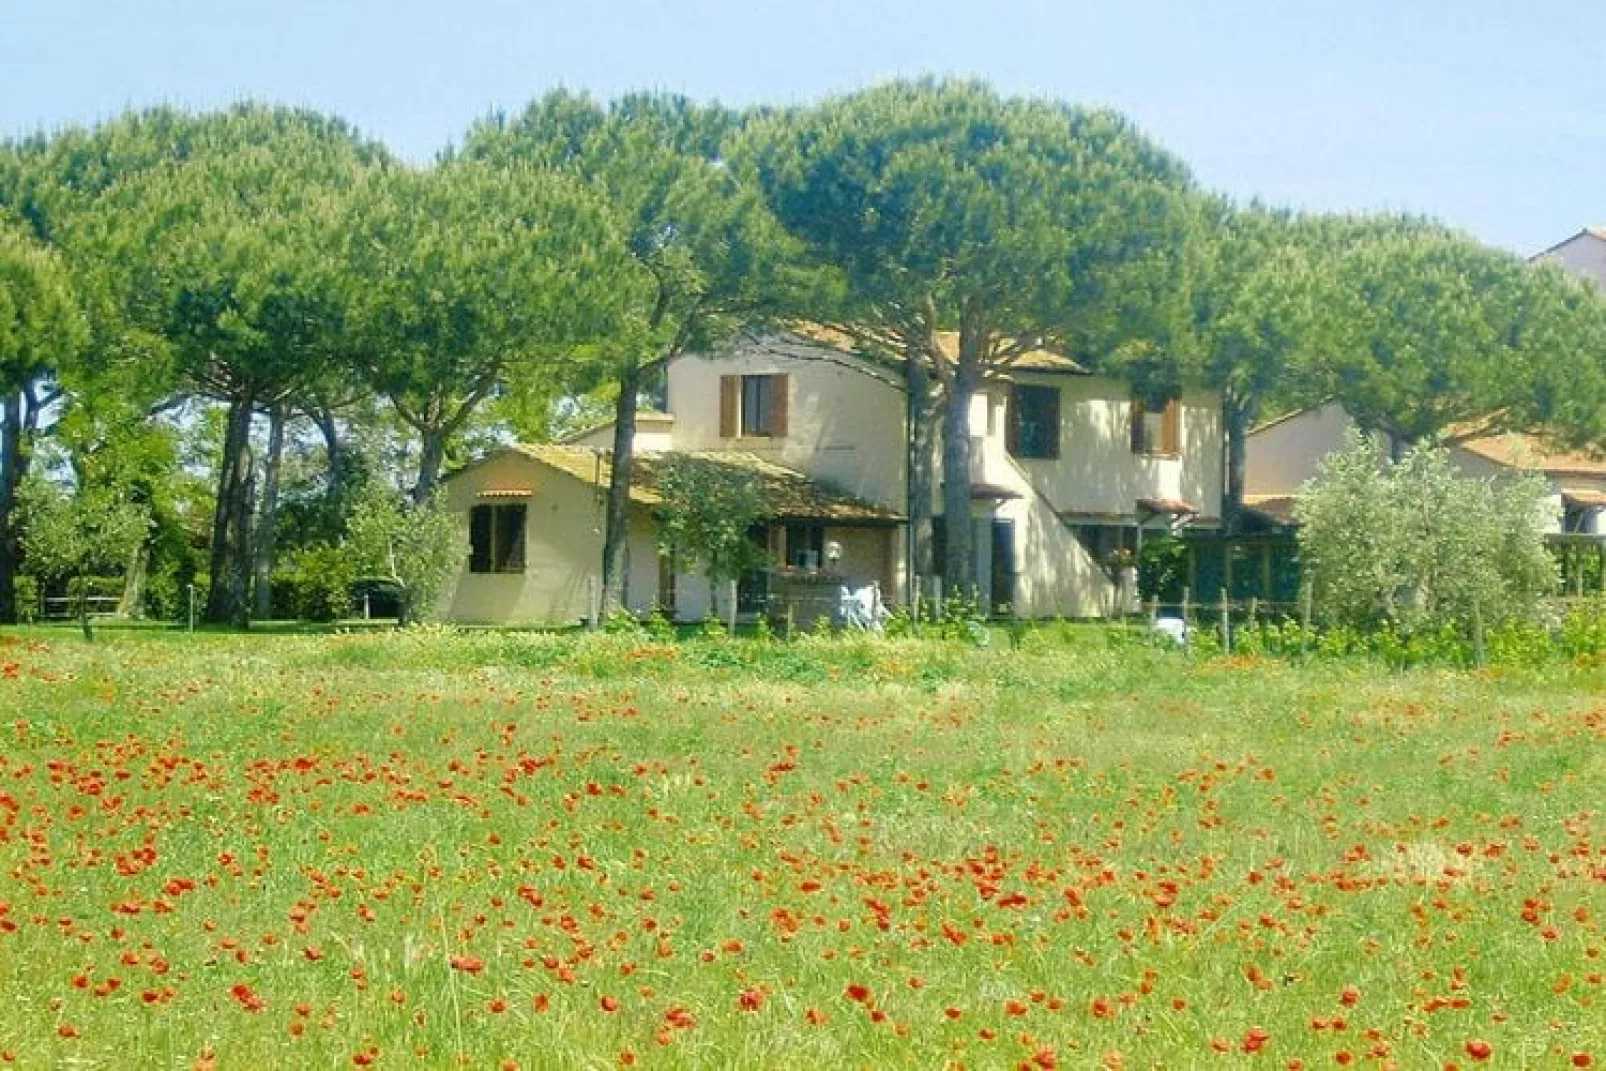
x=789 y=494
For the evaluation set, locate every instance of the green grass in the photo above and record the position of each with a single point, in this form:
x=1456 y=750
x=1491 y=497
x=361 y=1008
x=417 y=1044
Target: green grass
x=1076 y=847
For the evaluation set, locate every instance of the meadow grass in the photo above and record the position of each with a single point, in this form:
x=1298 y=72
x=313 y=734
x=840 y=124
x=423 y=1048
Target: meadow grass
x=579 y=851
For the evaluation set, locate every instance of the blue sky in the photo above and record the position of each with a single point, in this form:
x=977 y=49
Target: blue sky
x=1489 y=115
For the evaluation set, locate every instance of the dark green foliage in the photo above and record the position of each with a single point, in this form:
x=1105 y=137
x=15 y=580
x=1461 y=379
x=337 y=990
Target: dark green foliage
x=314 y=584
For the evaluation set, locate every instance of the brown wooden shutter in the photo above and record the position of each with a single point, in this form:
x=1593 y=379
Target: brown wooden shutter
x=512 y=539
x=780 y=409
x=730 y=401
x=1012 y=421
x=479 y=536
x=1051 y=417
x=1135 y=429
x=1172 y=433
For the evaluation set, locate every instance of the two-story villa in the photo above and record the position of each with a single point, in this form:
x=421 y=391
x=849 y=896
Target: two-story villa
x=1066 y=468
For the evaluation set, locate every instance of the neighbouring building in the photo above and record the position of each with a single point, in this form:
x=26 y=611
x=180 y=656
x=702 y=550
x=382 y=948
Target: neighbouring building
x=1068 y=469
x=1584 y=254
x=1283 y=453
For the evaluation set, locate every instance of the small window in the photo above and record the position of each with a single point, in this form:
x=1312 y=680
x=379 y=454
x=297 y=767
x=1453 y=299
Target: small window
x=496 y=539
x=1157 y=431
x=1034 y=422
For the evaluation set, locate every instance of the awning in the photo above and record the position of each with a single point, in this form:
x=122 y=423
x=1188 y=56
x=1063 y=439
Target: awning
x=1583 y=498
x=1174 y=507
x=991 y=491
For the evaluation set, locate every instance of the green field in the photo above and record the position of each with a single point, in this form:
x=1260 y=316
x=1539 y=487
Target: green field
x=552 y=850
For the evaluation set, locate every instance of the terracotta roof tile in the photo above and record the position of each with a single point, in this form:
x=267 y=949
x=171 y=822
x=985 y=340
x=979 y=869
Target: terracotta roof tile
x=789 y=493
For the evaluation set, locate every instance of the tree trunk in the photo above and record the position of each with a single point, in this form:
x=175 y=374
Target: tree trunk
x=959 y=564
x=13 y=466
x=334 y=492
x=83 y=608
x=230 y=561
x=132 y=604
x=917 y=383
x=616 y=522
x=1236 y=414
x=432 y=455
x=268 y=525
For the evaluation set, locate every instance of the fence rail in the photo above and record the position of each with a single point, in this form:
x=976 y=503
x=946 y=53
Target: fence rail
x=65 y=607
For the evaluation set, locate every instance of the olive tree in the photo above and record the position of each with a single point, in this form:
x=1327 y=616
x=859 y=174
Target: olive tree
x=1412 y=543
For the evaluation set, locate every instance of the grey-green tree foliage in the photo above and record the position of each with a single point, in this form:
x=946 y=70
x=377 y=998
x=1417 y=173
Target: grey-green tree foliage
x=707 y=259
x=420 y=546
x=41 y=329
x=467 y=275
x=706 y=517
x=1414 y=543
x=225 y=254
x=93 y=531
x=1011 y=222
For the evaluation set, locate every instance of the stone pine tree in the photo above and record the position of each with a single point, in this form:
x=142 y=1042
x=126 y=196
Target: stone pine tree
x=707 y=259
x=1434 y=333
x=1255 y=317
x=224 y=253
x=466 y=275
x=41 y=330
x=117 y=381
x=1011 y=223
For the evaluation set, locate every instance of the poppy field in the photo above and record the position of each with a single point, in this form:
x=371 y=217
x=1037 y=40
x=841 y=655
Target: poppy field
x=500 y=849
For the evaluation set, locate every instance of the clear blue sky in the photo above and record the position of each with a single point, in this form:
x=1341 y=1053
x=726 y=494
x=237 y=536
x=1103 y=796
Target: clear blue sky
x=1489 y=114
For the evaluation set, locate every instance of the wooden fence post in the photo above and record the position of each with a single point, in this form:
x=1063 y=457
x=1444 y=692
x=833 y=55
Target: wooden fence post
x=1226 y=623
x=1305 y=597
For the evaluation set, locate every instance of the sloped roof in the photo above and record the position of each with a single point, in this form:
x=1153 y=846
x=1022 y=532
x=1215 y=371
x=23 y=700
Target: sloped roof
x=789 y=494
x=1598 y=233
x=1517 y=449
x=643 y=416
x=1038 y=359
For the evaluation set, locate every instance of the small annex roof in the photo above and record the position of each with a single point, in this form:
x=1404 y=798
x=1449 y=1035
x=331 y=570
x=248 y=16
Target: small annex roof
x=643 y=416
x=1038 y=359
x=789 y=494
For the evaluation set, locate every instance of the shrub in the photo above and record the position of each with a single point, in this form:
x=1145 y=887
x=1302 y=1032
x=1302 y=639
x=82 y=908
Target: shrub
x=314 y=584
x=1412 y=546
x=421 y=547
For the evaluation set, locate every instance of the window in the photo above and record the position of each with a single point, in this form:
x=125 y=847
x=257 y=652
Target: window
x=496 y=539
x=1157 y=431
x=1033 y=428
x=805 y=546
x=753 y=406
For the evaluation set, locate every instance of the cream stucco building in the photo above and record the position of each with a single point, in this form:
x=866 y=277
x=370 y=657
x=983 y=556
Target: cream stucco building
x=1066 y=467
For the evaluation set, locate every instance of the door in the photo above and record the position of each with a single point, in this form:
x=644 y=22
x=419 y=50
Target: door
x=1002 y=573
